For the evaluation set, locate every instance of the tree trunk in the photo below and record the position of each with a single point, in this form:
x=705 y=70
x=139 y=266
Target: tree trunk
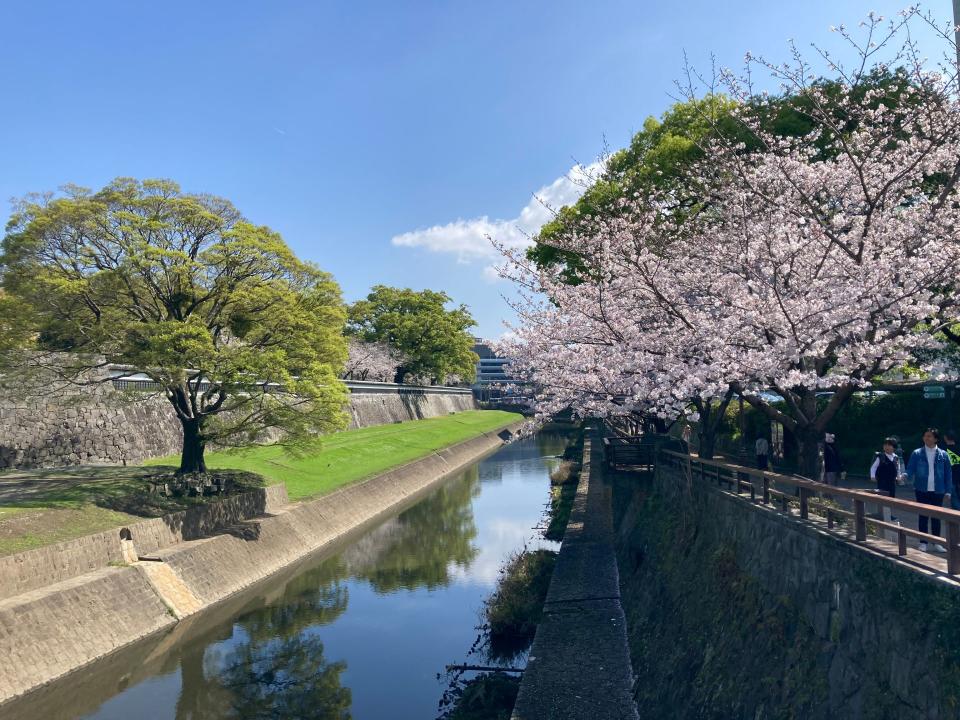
x=808 y=452
x=711 y=418
x=191 y=458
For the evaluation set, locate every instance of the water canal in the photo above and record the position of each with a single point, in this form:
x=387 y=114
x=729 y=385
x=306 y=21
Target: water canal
x=359 y=631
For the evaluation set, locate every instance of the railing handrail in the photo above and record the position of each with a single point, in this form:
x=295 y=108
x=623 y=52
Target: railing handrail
x=129 y=382
x=941 y=513
x=860 y=498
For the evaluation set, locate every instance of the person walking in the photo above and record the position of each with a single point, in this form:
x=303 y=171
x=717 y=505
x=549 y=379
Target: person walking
x=686 y=434
x=887 y=470
x=929 y=470
x=832 y=463
x=762 y=448
x=950 y=440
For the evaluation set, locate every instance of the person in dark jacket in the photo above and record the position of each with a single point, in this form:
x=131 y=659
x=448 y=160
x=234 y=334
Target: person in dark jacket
x=929 y=470
x=832 y=463
x=886 y=468
x=950 y=441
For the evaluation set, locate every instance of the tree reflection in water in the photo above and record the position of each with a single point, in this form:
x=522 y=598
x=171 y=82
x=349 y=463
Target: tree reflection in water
x=277 y=669
x=274 y=666
x=430 y=538
x=284 y=678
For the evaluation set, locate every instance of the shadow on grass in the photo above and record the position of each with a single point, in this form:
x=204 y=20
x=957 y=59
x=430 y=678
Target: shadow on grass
x=132 y=490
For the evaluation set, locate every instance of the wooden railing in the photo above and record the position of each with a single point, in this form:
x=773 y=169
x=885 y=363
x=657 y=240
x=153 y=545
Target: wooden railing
x=789 y=492
x=630 y=450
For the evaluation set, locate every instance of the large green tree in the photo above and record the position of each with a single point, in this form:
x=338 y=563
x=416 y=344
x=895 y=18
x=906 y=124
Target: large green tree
x=662 y=157
x=434 y=340
x=242 y=338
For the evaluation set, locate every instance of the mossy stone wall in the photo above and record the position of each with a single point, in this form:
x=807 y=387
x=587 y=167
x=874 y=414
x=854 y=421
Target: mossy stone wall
x=736 y=611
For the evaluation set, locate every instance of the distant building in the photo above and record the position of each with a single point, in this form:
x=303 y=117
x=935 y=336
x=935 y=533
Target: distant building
x=491 y=373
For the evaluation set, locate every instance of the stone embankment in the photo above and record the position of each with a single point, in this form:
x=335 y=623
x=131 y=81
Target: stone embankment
x=97 y=604
x=579 y=665
x=737 y=610
x=96 y=425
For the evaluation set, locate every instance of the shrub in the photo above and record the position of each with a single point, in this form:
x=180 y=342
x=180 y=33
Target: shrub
x=515 y=608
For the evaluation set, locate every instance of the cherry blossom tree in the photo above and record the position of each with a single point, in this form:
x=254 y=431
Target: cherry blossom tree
x=814 y=264
x=375 y=361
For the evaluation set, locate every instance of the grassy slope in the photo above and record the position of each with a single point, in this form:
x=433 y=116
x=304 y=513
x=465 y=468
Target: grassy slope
x=64 y=503
x=356 y=454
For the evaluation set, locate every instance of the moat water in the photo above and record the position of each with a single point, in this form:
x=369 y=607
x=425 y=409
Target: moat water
x=361 y=630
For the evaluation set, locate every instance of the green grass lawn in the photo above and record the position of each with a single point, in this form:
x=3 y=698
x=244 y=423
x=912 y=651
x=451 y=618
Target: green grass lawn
x=40 y=507
x=357 y=454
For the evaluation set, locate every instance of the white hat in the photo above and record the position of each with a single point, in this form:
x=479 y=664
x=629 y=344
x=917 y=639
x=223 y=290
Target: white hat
x=828 y=437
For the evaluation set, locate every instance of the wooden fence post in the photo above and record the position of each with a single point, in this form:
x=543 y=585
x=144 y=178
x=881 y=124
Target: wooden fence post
x=953 y=547
x=860 y=519
x=804 y=508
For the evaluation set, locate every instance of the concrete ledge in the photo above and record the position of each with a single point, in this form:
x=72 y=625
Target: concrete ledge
x=45 y=634
x=45 y=566
x=585 y=671
x=585 y=571
x=49 y=632
x=579 y=665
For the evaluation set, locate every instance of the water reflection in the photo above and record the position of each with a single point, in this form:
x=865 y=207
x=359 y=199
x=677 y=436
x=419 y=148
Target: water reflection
x=285 y=677
x=433 y=539
x=360 y=632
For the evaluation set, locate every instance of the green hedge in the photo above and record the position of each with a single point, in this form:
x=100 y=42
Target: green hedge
x=861 y=425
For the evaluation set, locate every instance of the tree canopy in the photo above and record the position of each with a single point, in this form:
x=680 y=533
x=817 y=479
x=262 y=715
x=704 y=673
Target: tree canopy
x=817 y=261
x=663 y=157
x=434 y=341
x=242 y=337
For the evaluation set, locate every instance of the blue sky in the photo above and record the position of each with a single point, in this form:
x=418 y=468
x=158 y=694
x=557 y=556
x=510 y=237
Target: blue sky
x=353 y=127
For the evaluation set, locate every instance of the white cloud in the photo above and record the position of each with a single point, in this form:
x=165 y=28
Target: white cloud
x=469 y=240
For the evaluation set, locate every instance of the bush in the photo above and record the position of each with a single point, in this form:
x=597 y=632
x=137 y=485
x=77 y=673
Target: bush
x=488 y=696
x=566 y=472
x=515 y=608
x=563 y=490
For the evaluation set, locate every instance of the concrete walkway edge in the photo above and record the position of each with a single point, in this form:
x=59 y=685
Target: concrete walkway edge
x=579 y=666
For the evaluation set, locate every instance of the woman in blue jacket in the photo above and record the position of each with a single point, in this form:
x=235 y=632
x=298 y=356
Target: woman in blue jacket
x=929 y=470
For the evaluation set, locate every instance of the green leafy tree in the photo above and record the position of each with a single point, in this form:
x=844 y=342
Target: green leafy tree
x=657 y=159
x=433 y=339
x=660 y=157
x=243 y=339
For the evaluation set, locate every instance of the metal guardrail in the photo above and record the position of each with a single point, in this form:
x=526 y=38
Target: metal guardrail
x=364 y=387
x=771 y=488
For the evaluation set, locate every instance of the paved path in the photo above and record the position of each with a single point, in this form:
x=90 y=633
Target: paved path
x=579 y=665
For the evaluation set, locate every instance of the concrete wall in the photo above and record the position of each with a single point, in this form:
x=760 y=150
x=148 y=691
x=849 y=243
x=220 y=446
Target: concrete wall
x=38 y=568
x=48 y=632
x=736 y=610
x=383 y=403
x=96 y=427
x=44 y=635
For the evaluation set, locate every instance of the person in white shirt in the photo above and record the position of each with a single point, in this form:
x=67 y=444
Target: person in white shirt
x=887 y=469
x=929 y=469
x=762 y=448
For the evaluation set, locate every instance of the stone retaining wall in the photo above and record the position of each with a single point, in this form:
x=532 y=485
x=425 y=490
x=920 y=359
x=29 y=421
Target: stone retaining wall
x=741 y=610
x=380 y=408
x=98 y=426
x=51 y=564
x=79 y=620
x=46 y=634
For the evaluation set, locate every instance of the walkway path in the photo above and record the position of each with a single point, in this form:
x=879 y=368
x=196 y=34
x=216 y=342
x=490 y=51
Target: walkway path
x=579 y=665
